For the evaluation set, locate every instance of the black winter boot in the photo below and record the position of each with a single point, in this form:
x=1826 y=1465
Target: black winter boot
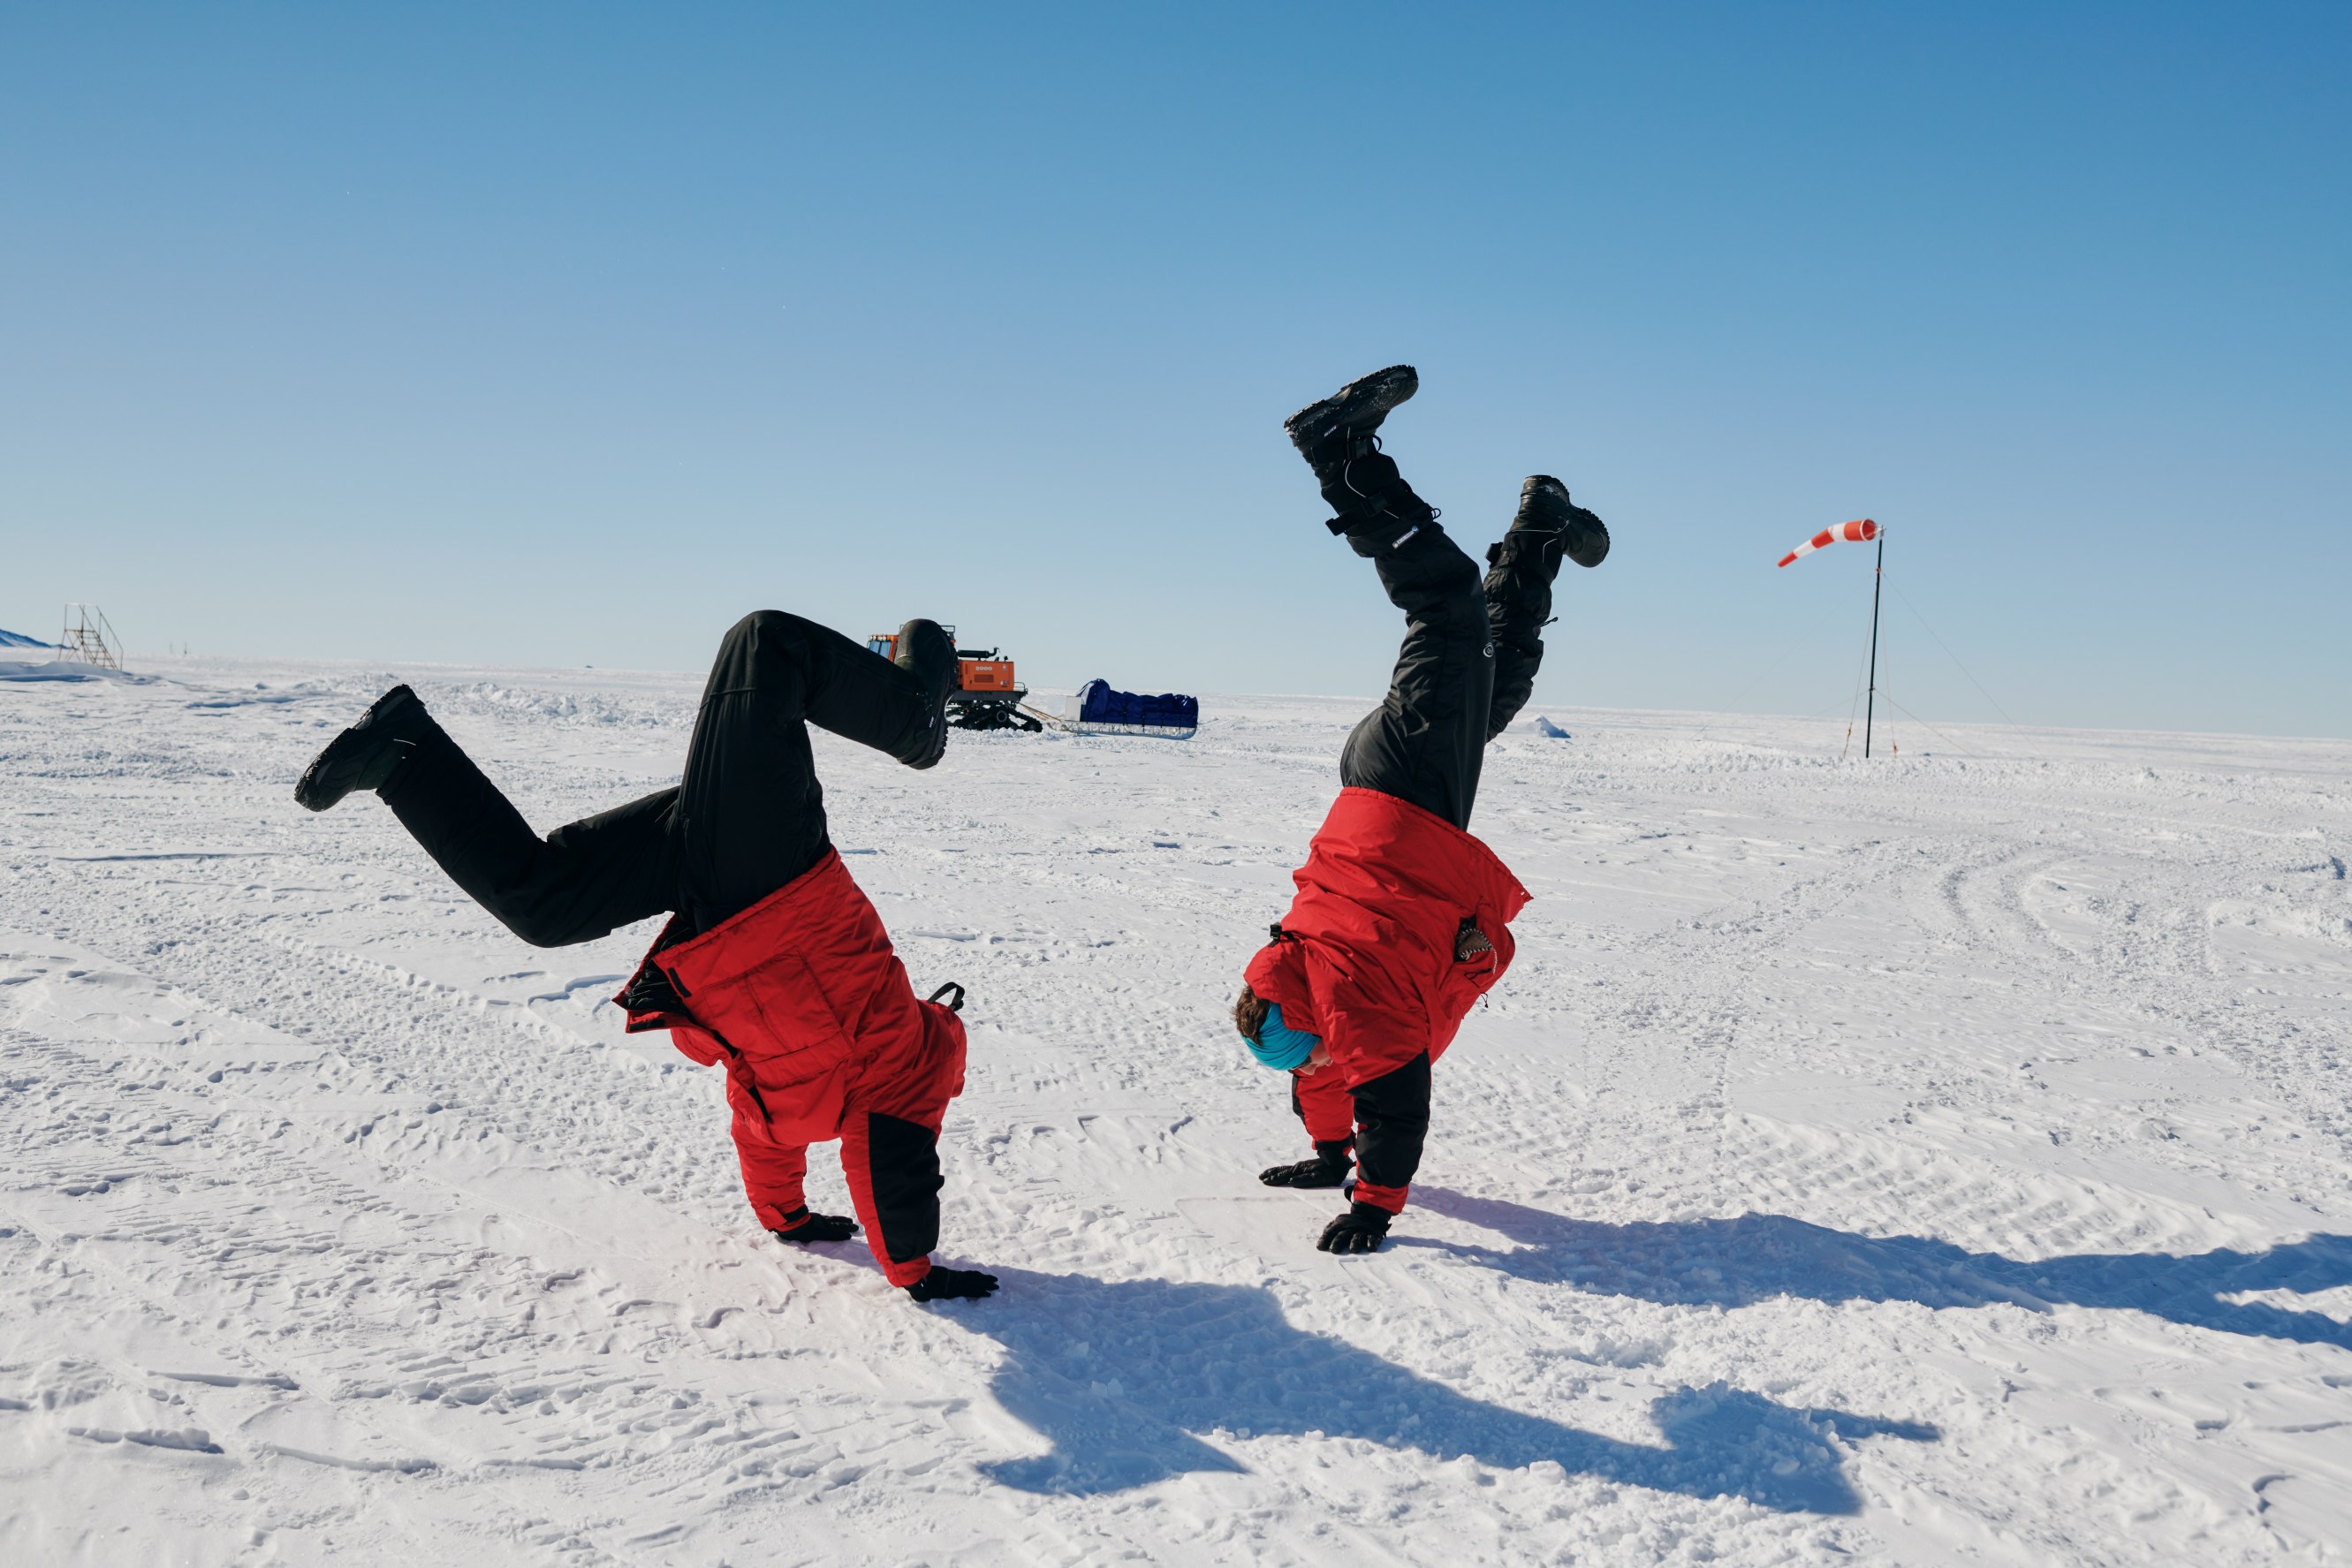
x=1550 y=525
x=926 y=649
x=365 y=756
x=1549 y=529
x=1355 y=409
x=1359 y=482
x=1329 y=1167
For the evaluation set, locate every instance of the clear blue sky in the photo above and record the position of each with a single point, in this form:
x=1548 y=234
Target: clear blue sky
x=564 y=334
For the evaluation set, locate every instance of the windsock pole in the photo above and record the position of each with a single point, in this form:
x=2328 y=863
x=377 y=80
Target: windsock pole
x=1859 y=531
x=1878 y=578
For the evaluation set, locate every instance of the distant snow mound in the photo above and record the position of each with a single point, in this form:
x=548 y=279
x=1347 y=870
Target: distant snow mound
x=65 y=670
x=1549 y=730
x=569 y=710
x=18 y=640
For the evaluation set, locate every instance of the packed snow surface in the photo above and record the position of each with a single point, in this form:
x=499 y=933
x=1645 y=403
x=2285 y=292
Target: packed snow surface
x=1937 y=1160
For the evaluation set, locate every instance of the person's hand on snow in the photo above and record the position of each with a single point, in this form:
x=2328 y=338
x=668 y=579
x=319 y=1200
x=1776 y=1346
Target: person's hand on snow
x=952 y=1285
x=1329 y=1167
x=1362 y=1229
x=803 y=1227
x=1305 y=1172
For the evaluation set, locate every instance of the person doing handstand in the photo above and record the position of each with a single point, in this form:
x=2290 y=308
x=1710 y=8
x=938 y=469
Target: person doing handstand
x=773 y=962
x=1401 y=919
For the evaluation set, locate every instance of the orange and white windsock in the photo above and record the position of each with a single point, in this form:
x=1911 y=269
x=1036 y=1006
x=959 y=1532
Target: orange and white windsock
x=1854 y=533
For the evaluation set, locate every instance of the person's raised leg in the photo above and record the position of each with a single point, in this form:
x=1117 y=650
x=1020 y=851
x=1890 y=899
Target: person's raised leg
x=579 y=882
x=1547 y=529
x=752 y=812
x=1424 y=743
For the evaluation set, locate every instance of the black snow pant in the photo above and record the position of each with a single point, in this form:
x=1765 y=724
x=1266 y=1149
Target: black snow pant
x=748 y=817
x=1468 y=663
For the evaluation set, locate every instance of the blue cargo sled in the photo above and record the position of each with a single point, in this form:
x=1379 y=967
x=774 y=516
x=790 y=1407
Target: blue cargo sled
x=1096 y=709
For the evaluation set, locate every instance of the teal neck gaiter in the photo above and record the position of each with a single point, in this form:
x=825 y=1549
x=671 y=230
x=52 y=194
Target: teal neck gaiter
x=1279 y=1046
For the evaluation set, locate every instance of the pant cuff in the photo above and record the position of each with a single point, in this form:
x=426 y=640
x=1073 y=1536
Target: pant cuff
x=903 y=1274
x=770 y=1212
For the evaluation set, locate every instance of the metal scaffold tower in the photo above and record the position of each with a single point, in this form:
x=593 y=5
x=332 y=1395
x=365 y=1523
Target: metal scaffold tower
x=90 y=637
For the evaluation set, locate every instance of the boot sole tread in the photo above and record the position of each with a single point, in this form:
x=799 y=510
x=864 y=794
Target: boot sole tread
x=1375 y=393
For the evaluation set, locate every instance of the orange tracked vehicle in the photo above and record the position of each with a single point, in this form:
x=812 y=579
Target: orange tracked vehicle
x=988 y=696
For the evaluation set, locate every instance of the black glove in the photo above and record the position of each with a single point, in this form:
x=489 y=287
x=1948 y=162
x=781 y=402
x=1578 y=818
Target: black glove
x=1327 y=1168
x=952 y=1285
x=650 y=991
x=1362 y=1229
x=801 y=1226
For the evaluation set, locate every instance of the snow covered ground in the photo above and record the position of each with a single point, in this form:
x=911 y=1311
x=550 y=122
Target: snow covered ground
x=1939 y=1161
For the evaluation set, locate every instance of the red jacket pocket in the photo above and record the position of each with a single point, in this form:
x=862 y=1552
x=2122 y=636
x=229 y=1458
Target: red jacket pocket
x=794 y=1049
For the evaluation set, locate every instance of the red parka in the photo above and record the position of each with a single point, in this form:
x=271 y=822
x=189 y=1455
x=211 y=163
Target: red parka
x=801 y=998
x=1365 y=956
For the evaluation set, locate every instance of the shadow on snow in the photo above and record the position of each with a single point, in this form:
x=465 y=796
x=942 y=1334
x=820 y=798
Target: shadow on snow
x=1122 y=1377
x=1757 y=1257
